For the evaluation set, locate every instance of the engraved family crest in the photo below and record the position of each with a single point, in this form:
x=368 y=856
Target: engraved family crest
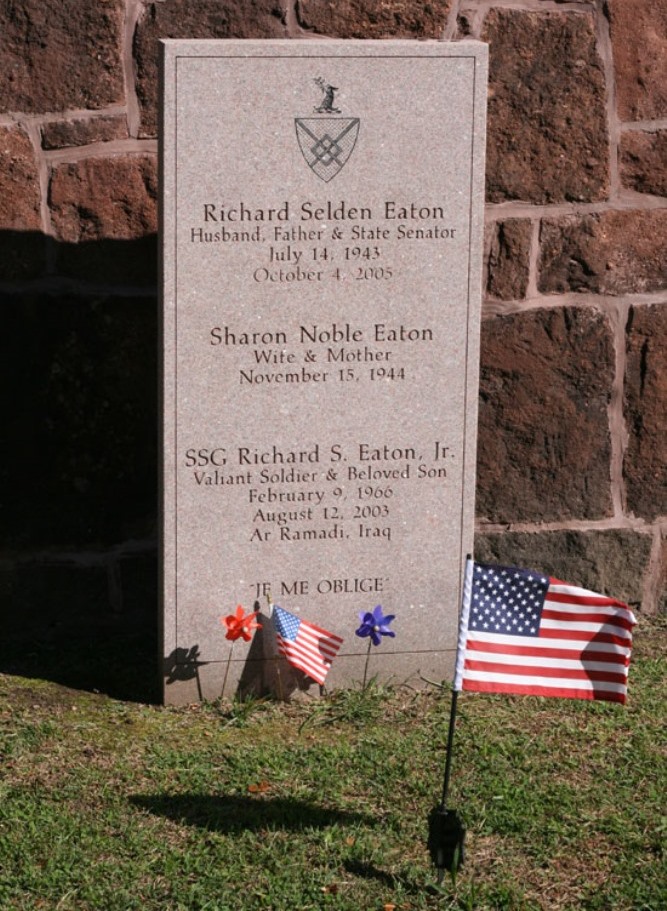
x=326 y=142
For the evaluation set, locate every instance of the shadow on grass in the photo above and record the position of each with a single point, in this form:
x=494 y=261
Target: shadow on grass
x=409 y=885
x=228 y=814
x=368 y=871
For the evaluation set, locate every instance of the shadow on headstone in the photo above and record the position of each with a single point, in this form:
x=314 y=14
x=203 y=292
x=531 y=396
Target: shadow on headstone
x=266 y=672
x=183 y=664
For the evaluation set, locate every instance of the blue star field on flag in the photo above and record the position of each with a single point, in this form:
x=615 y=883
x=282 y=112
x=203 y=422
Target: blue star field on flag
x=507 y=600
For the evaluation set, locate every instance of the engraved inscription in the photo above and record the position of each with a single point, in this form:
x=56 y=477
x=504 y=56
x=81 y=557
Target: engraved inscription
x=322 y=279
x=322 y=492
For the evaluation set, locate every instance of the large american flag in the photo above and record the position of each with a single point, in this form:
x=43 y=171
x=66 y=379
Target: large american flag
x=306 y=646
x=523 y=632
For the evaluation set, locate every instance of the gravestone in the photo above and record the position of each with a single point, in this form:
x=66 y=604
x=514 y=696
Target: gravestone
x=322 y=215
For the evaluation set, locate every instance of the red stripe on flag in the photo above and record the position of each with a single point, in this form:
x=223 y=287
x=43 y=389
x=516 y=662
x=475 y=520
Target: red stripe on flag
x=319 y=676
x=563 y=616
x=531 y=689
x=583 y=636
x=590 y=599
x=322 y=632
x=307 y=657
x=536 y=652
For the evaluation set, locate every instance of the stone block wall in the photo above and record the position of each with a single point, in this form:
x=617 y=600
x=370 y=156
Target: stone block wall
x=573 y=413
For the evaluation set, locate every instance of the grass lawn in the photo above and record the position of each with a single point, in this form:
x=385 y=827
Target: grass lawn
x=113 y=806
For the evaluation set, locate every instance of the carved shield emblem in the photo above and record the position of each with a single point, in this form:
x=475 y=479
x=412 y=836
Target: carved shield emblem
x=327 y=143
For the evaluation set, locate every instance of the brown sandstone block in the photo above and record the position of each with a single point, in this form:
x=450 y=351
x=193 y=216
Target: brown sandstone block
x=544 y=445
x=374 y=18
x=62 y=134
x=104 y=197
x=22 y=244
x=465 y=25
x=509 y=259
x=19 y=181
x=610 y=562
x=203 y=19
x=78 y=403
x=613 y=253
x=639 y=39
x=643 y=162
x=104 y=213
x=547 y=139
x=59 y=54
x=645 y=406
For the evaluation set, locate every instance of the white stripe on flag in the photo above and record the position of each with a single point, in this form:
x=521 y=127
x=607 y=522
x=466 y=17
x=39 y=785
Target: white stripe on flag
x=539 y=661
x=547 y=682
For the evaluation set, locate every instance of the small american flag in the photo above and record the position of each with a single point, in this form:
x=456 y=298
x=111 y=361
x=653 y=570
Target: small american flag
x=523 y=632
x=306 y=646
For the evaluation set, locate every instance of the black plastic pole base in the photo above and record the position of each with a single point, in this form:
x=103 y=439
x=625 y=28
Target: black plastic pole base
x=446 y=836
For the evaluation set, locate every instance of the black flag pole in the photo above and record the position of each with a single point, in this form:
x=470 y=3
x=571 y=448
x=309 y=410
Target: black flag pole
x=446 y=830
x=450 y=746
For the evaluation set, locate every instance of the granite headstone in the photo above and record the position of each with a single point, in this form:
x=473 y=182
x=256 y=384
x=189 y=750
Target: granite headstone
x=322 y=217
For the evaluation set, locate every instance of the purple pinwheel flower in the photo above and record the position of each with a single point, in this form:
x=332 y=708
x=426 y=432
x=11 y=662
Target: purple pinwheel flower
x=375 y=625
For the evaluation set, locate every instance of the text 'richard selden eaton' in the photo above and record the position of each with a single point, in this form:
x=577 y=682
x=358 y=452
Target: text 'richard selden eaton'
x=328 y=211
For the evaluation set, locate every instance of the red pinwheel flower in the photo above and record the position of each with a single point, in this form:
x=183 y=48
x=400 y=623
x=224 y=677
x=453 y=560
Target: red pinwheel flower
x=240 y=625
